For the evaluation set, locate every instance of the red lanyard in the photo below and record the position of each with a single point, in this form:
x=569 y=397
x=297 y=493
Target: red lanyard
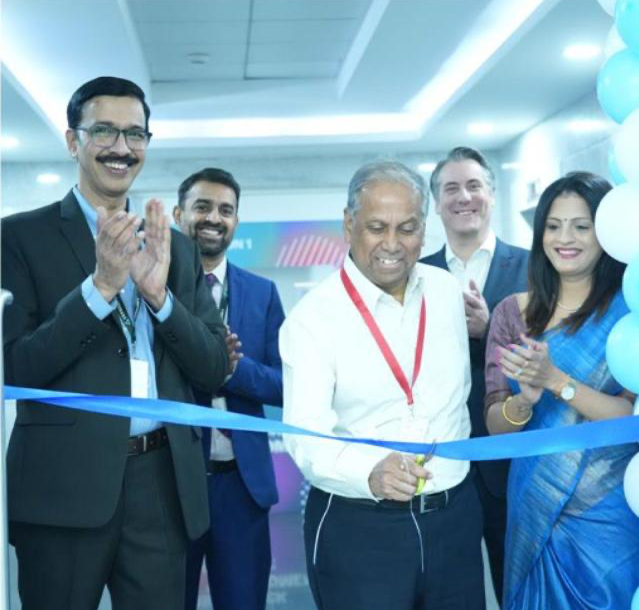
x=381 y=342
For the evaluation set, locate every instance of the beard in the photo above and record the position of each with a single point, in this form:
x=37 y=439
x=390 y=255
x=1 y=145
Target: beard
x=211 y=247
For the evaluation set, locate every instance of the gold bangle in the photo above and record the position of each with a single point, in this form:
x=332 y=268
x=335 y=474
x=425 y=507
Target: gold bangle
x=511 y=421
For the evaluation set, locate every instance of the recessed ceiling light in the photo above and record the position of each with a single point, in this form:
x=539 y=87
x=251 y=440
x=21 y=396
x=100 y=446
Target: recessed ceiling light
x=48 y=178
x=8 y=142
x=586 y=125
x=198 y=59
x=581 y=52
x=513 y=165
x=426 y=167
x=480 y=129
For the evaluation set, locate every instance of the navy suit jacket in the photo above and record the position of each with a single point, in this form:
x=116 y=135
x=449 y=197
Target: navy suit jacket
x=255 y=314
x=507 y=275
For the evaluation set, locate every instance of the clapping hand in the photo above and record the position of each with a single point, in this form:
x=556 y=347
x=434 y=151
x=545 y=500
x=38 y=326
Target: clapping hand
x=476 y=310
x=116 y=244
x=150 y=265
x=531 y=366
x=233 y=344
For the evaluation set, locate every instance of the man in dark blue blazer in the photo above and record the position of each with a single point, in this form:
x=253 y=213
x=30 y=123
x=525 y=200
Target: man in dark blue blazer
x=241 y=480
x=489 y=270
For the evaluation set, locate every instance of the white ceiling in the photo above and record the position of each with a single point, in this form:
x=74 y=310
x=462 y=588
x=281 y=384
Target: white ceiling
x=299 y=77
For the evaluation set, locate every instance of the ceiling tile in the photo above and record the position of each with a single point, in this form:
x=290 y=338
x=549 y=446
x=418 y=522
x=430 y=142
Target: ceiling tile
x=301 y=51
x=230 y=32
x=176 y=11
x=269 y=10
x=304 y=30
x=300 y=69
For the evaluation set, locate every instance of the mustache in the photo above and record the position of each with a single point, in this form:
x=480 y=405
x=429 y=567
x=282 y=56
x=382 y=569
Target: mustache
x=128 y=159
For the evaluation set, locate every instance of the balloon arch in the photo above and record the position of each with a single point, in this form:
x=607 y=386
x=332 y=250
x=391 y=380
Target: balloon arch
x=617 y=219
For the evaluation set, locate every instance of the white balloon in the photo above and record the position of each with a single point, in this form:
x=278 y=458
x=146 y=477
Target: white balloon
x=608 y=6
x=631 y=484
x=617 y=220
x=626 y=147
x=614 y=43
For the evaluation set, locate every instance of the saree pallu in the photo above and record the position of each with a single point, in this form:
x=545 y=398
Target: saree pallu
x=572 y=542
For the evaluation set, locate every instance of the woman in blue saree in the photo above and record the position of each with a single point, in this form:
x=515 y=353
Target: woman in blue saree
x=571 y=541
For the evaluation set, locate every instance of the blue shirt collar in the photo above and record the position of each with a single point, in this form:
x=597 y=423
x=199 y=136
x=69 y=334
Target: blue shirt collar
x=89 y=211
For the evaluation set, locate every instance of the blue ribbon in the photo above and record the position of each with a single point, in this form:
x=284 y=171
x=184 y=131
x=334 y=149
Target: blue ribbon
x=520 y=444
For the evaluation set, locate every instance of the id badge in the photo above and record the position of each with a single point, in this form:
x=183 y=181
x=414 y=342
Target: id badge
x=139 y=378
x=413 y=429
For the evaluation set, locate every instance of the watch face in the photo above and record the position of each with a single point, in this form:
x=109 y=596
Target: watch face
x=568 y=391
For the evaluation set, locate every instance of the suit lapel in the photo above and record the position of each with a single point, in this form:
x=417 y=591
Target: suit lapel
x=236 y=298
x=439 y=259
x=75 y=229
x=499 y=268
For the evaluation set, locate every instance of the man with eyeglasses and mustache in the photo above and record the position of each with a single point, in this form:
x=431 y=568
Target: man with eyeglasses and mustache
x=104 y=307
x=241 y=481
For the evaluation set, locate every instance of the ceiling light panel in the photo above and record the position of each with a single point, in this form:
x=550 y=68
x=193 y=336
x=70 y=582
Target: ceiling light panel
x=582 y=52
x=9 y=142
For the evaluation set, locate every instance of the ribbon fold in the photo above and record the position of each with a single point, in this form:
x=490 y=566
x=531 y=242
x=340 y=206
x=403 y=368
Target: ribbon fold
x=588 y=435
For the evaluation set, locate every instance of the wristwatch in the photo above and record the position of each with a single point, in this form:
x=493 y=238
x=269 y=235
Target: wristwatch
x=568 y=390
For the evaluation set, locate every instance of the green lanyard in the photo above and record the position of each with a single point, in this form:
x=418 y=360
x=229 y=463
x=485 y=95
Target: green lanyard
x=128 y=324
x=224 y=299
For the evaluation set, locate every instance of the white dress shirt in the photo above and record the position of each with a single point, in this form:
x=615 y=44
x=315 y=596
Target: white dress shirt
x=221 y=446
x=336 y=380
x=477 y=266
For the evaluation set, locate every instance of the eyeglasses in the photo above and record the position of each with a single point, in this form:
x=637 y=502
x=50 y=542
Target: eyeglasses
x=105 y=136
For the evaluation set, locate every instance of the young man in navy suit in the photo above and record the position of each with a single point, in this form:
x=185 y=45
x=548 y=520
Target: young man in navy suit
x=489 y=270
x=241 y=480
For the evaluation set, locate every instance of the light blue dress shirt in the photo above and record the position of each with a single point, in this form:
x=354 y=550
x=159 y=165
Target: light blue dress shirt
x=143 y=349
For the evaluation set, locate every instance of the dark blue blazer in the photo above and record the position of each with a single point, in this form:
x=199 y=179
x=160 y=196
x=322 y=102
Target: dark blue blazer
x=508 y=274
x=255 y=314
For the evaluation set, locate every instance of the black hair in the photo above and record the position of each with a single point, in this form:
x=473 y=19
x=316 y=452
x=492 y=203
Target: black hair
x=543 y=279
x=209 y=174
x=104 y=85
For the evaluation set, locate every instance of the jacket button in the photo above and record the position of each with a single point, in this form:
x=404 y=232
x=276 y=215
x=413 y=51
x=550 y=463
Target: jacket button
x=122 y=352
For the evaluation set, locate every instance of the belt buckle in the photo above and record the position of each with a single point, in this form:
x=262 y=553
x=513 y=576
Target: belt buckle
x=422 y=503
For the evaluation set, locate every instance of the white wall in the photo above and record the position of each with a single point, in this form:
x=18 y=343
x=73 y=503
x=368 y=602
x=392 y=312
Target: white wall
x=545 y=153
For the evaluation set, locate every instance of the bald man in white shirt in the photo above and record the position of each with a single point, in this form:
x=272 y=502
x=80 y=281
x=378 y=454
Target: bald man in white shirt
x=380 y=349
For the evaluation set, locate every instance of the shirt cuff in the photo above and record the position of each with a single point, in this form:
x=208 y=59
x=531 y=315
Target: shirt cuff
x=100 y=307
x=165 y=311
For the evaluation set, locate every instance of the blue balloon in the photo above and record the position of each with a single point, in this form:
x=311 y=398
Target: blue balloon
x=627 y=22
x=634 y=605
x=622 y=352
x=616 y=175
x=631 y=285
x=618 y=85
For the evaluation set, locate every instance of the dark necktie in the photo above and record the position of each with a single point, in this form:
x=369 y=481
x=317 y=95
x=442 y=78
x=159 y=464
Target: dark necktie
x=211 y=281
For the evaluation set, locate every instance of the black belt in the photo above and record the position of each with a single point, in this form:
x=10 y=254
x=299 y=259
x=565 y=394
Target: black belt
x=143 y=443
x=220 y=466
x=424 y=503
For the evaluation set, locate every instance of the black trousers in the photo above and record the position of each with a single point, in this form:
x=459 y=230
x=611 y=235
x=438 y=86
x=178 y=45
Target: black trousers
x=139 y=554
x=367 y=557
x=494 y=509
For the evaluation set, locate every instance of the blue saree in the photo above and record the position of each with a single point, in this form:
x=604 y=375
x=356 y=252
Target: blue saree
x=571 y=541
